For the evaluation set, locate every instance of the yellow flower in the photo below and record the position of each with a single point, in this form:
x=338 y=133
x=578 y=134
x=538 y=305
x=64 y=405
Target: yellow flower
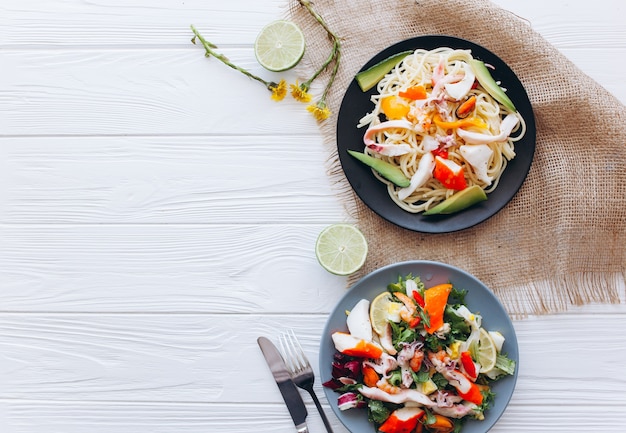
x=320 y=111
x=279 y=91
x=300 y=92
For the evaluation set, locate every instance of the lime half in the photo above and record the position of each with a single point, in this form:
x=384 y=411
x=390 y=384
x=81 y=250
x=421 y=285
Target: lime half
x=279 y=46
x=341 y=249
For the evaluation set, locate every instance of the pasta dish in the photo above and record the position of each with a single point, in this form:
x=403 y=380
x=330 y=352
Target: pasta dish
x=436 y=120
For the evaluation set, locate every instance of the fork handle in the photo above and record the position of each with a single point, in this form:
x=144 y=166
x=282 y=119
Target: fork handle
x=321 y=411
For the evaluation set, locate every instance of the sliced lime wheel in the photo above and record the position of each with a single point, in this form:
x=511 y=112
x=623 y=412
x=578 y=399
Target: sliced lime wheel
x=279 y=46
x=341 y=249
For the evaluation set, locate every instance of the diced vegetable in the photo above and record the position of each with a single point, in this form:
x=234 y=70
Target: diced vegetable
x=468 y=365
x=418 y=298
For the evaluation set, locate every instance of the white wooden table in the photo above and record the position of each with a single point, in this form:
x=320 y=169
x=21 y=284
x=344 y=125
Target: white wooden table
x=158 y=213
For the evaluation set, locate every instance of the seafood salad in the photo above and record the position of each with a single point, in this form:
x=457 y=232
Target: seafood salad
x=417 y=359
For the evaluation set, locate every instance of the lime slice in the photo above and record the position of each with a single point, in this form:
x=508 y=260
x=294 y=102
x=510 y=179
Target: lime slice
x=341 y=249
x=279 y=46
x=487 y=352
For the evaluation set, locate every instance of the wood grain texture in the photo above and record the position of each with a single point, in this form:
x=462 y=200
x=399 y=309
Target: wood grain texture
x=179 y=268
x=213 y=179
x=119 y=23
x=142 y=91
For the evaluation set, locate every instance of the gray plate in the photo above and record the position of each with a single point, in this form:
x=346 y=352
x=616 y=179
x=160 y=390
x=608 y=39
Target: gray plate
x=479 y=299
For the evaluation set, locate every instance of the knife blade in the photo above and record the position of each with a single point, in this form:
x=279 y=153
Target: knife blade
x=287 y=388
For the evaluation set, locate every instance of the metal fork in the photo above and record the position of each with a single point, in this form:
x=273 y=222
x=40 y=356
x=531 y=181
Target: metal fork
x=301 y=370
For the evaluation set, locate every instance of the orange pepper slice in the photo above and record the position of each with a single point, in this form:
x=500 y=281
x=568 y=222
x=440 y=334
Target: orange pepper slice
x=463 y=123
x=435 y=300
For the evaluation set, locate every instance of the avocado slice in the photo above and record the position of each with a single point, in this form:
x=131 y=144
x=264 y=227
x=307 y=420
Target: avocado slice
x=459 y=201
x=486 y=80
x=387 y=170
x=369 y=77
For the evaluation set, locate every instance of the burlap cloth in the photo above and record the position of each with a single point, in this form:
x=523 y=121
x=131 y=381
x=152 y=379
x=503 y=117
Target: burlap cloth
x=561 y=240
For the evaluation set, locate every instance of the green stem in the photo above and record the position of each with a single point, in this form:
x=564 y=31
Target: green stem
x=330 y=58
x=334 y=54
x=210 y=52
x=334 y=72
x=307 y=4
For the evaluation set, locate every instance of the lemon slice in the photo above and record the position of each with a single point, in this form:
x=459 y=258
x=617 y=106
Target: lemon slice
x=378 y=312
x=341 y=249
x=383 y=309
x=279 y=46
x=487 y=352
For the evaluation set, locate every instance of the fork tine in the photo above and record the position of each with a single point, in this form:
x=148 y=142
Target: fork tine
x=294 y=354
x=286 y=351
x=301 y=356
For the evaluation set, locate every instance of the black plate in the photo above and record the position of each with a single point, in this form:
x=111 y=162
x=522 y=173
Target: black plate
x=357 y=103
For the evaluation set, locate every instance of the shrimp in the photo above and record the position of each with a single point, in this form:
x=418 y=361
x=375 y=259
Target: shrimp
x=416 y=361
x=440 y=360
x=384 y=385
x=407 y=313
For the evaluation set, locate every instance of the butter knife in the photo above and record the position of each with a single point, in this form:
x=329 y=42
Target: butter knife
x=287 y=388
